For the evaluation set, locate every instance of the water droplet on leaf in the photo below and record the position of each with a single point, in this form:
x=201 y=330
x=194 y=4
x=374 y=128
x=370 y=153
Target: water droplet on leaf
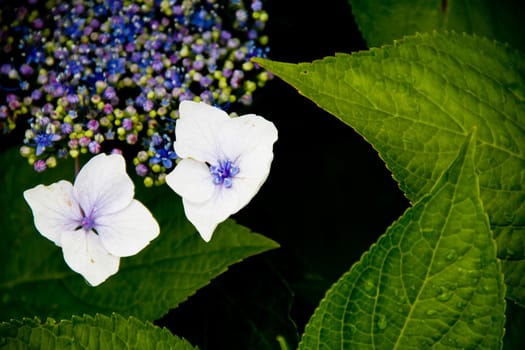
x=369 y=286
x=510 y=253
x=460 y=305
x=431 y=312
x=450 y=342
x=444 y=294
x=451 y=255
x=381 y=322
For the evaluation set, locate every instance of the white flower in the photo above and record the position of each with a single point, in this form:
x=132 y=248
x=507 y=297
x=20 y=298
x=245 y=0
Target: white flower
x=95 y=221
x=224 y=162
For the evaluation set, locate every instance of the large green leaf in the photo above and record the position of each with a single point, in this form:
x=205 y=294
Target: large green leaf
x=35 y=280
x=383 y=21
x=87 y=332
x=431 y=281
x=416 y=100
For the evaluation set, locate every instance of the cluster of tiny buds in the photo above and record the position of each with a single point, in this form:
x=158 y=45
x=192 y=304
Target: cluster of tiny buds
x=95 y=76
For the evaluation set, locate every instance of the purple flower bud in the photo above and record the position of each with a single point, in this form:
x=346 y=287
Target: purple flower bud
x=26 y=69
x=178 y=10
x=127 y=124
x=14 y=105
x=241 y=15
x=252 y=34
x=141 y=169
x=10 y=98
x=48 y=108
x=197 y=48
x=40 y=166
x=73 y=99
x=130 y=47
x=225 y=35
x=3 y=111
x=5 y=68
x=73 y=144
x=44 y=121
x=148 y=105
x=206 y=81
x=66 y=128
x=107 y=108
x=239 y=55
x=87 y=31
x=93 y=125
x=94 y=23
x=131 y=139
x=256 y=5
x=198 y=64
x=157 y=66
x=110 y=93
x=84 y=141
x=156 y=139
x=94 y=147
x=36 y=95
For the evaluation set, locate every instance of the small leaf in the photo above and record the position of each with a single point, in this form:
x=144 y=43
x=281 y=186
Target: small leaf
x=35 y=280
x=87 y=332
x=381 y=22
x=415 y=101
x=431 y=281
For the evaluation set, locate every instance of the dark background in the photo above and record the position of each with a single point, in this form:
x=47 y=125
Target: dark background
x=327 y=199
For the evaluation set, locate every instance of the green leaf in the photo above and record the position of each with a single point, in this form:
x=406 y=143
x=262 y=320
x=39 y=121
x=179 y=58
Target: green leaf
x=431 y=281
x=98 y=332
x=35 y=280
x=416 y=100
x=383 y=21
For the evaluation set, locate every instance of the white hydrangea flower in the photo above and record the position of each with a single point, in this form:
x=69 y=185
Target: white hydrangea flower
x=95 y=221
x=224 y=162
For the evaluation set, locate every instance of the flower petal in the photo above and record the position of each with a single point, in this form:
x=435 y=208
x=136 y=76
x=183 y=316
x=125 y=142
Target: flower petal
x=207 y=215
x=191 y=180
x=85 y=254
x=244 y=134
x=103 y=185
x=209 y=135
x=128 y=231
x=197 y=130
x=55 y=210
x=254 y=169
x=248 y=141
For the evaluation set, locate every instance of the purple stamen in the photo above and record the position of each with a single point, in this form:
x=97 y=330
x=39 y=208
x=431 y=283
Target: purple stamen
x=87 y=223
x=224 y=172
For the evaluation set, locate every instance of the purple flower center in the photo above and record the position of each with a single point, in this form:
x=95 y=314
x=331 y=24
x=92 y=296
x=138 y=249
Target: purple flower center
x=87 y=222
x=224 y=172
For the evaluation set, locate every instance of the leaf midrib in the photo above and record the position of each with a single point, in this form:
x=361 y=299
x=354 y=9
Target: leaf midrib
x=426 y=279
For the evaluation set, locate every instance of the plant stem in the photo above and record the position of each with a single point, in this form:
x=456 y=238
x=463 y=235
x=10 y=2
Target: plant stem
x=77 y=166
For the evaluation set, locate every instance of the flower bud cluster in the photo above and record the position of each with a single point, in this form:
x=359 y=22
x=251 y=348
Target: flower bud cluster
x=89 y=76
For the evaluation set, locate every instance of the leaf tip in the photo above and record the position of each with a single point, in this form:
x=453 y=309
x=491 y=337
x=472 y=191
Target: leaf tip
x=259 y=60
